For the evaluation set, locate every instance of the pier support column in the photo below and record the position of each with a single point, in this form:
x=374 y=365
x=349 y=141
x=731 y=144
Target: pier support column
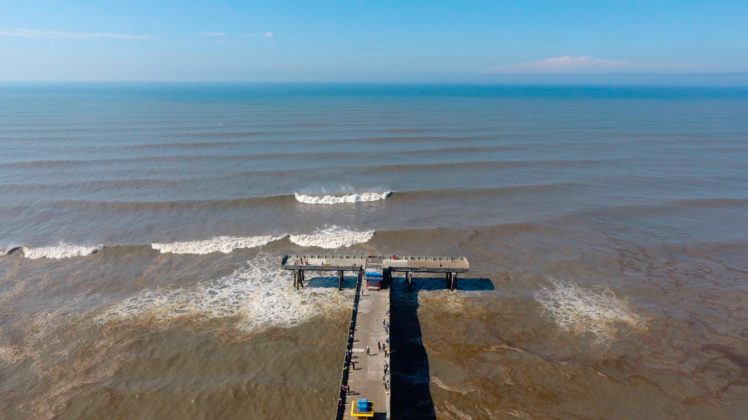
x=409 y=280
x=340 y=280
x=301 y=279
x=454 y=281
x=296 y=279
x=449 y=281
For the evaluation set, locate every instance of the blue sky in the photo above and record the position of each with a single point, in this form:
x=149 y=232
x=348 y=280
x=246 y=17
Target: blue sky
x=360 y=40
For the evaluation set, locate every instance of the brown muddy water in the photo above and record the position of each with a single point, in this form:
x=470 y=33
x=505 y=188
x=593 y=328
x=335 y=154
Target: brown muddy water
x=606 y=228
x=603 y=329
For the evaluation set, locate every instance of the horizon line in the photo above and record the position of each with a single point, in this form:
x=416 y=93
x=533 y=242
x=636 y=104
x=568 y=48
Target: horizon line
x=502 y=78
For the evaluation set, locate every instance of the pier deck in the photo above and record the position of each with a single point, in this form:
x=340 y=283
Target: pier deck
x=395 y=263
x=369 y=379
x=426 y=264
x=323 y=262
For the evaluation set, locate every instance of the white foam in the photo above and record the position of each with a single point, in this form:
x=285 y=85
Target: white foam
x=258 y=297
x=60 y=251
x=596 y=311
x=10 y=354
x=332 y=237
x=225 y=244
x=338 y=199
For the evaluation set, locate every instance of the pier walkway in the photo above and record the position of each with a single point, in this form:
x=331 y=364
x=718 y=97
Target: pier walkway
x=369 y=379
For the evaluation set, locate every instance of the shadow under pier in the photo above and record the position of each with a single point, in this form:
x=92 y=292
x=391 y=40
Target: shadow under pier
x=411 y=394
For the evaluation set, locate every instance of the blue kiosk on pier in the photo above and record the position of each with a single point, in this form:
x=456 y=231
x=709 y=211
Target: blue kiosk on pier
x=373 y=278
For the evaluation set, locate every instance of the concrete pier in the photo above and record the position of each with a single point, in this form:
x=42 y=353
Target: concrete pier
x=366 y=365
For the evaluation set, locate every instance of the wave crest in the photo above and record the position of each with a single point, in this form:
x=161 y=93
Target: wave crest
x=60 y=251
x=224 y=244
x=345 y=198
x=327 y=237
x=332 y=237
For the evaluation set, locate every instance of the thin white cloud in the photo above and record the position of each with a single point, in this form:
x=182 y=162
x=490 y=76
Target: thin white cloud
x=36 y=34
x=573 y=64
x=267 y=34
x=582 y=62
x=216 y=34
x=586 y=64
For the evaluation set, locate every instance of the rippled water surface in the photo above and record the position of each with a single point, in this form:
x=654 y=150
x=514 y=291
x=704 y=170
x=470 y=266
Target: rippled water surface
x=607 y=230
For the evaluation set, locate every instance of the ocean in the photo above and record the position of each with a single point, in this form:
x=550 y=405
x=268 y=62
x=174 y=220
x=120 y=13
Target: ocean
x=143 y=225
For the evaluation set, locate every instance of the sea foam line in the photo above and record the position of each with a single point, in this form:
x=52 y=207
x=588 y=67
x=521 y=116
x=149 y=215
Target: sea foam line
x=332 y=237
x=60 y=251
x=338 y=199
x=224 y=244
x=329 y=237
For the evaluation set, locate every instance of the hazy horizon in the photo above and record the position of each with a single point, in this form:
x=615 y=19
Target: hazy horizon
x=625 y=80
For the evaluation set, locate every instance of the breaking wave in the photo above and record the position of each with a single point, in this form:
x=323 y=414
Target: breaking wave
x=60 y=251
x=332 y=237
x=329 y=237
x=594 y=311
x=225 y=244
x=338 y=199
x=258 y=296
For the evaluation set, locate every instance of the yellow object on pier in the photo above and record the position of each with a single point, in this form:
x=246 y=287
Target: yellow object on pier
x=362 y=414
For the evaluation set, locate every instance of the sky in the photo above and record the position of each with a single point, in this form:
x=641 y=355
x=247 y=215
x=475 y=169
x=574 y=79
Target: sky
x=377 y=40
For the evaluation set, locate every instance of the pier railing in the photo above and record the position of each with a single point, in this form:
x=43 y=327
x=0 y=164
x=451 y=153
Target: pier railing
x=343 y=395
